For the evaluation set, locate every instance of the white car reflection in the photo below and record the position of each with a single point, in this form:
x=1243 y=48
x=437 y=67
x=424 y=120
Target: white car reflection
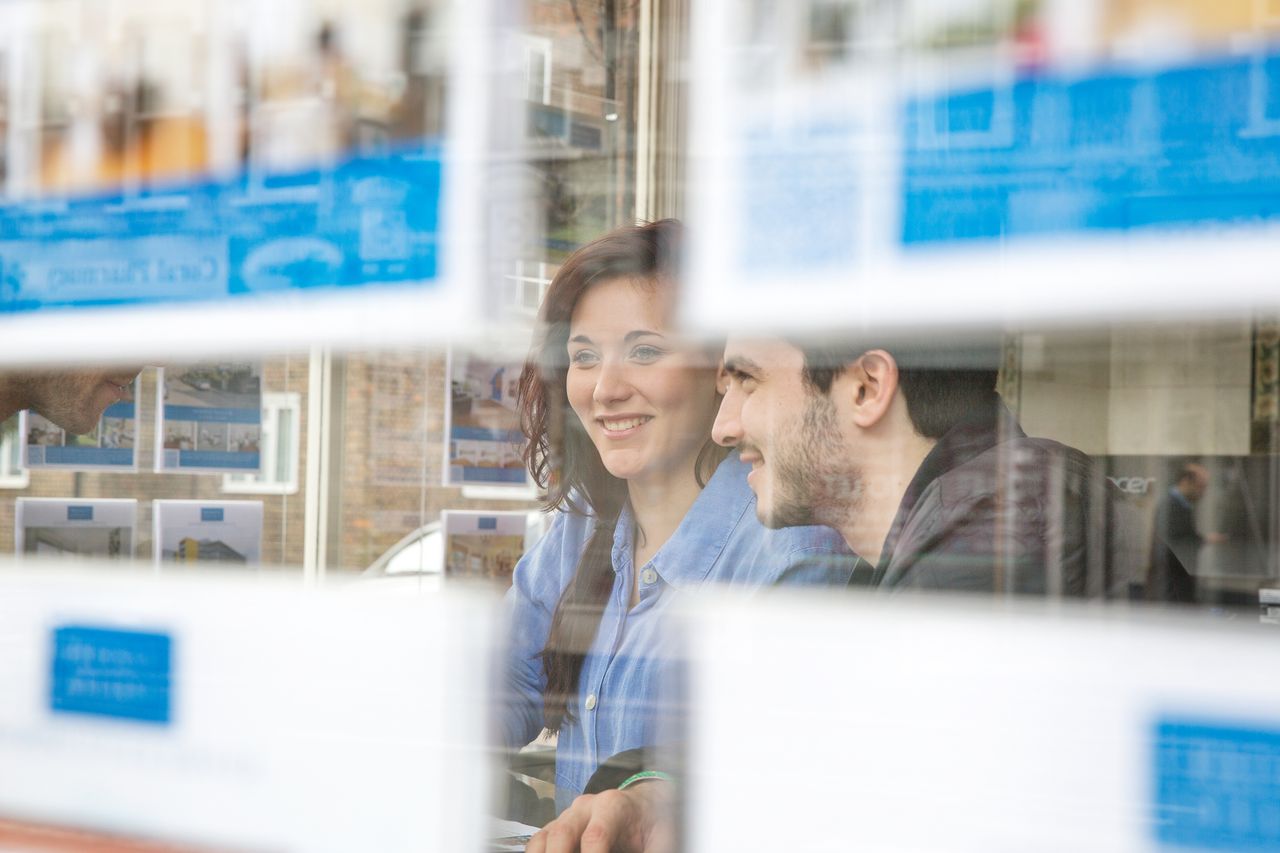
x=417 y=562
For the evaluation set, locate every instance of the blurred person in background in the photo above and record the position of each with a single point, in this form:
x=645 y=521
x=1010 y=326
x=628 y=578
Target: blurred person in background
x=911 y=454
x=1176 y=543
x=618 y=413
x=72 y=399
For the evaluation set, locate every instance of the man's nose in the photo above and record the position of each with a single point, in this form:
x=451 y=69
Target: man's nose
x=727 y=429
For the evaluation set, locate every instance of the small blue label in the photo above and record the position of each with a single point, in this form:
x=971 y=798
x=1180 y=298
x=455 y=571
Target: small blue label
x=214 y=415
x=470 y=474
x=121 y=457
x=104 y=672
x=1217 y=786
x=211 y=513
x=488 y=523
x=509 y=436
x=245 y=461
x=79 y=513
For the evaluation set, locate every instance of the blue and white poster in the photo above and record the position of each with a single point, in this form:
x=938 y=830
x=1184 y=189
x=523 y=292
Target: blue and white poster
x=76 y=528
x=485 y=546
x=209 y=418
x=974 y=162
x=110 y=446
x=485 y=444
x=225 y=533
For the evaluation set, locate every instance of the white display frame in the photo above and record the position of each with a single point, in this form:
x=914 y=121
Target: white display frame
x=1181 y=272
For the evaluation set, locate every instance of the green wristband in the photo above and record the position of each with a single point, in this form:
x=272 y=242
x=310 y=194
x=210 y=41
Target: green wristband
x=642 y=776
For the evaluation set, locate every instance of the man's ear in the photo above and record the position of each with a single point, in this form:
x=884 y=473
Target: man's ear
x=870 y=385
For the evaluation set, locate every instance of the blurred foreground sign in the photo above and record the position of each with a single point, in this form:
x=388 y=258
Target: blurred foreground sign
x=955 y=724
x=276 y=176
x=978 y=161
x=222 y=713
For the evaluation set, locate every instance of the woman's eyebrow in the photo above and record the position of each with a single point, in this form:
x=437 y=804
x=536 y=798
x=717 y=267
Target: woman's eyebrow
x=640 y=333
x=628 y=338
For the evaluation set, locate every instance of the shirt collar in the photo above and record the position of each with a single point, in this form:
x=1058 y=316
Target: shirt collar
x=687 y=557
x=980 y=429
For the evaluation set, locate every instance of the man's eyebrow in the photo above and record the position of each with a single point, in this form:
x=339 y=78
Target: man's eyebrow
x=737 y=365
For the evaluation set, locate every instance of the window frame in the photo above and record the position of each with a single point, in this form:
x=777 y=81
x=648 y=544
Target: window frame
x=273 y=403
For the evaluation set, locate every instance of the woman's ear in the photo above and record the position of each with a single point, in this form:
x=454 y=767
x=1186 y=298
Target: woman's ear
x=868 y=387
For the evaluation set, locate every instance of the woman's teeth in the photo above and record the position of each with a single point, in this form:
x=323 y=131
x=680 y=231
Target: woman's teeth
x=628 y=423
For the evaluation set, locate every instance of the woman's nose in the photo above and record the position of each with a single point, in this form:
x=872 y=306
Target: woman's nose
x=612 y=384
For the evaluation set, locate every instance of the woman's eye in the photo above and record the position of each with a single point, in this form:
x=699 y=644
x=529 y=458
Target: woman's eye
x=646 y=353
x=582 y=358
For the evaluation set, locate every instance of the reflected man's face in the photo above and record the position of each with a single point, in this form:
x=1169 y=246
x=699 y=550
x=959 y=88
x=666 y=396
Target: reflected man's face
x=1198 y=484
x=75 y=400
x=801 y=470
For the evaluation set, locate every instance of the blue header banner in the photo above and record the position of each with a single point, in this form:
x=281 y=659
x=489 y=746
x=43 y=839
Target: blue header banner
x=1197 y=145
x=366 y=221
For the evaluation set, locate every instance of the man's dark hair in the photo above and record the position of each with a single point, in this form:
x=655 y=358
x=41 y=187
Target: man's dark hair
x=937 y=396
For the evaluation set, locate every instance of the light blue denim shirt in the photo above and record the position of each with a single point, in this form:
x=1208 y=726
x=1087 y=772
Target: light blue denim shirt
x=719 y=541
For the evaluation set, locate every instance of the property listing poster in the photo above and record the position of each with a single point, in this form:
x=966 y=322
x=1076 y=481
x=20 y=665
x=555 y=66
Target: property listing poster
x=209 y=418
x=482 y=424
x=227 y=532
x=483 y=546
x=70 y=527
x=329 y=208
x=109 y=446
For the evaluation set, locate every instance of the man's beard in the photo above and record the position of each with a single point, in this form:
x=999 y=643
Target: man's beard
x=814 y=482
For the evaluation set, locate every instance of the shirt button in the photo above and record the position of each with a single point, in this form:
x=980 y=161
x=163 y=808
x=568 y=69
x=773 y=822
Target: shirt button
x=591 y=702
x=648 y=576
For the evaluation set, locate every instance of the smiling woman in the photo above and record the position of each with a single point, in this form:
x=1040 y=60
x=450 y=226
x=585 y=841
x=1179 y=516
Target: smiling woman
x=644 y=397
x=618 y=409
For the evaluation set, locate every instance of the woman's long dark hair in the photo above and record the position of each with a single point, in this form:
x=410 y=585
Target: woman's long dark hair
x=561 y=456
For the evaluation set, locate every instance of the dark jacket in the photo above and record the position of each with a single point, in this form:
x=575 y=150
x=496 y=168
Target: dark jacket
x=1175 y=547
x=991 y=510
